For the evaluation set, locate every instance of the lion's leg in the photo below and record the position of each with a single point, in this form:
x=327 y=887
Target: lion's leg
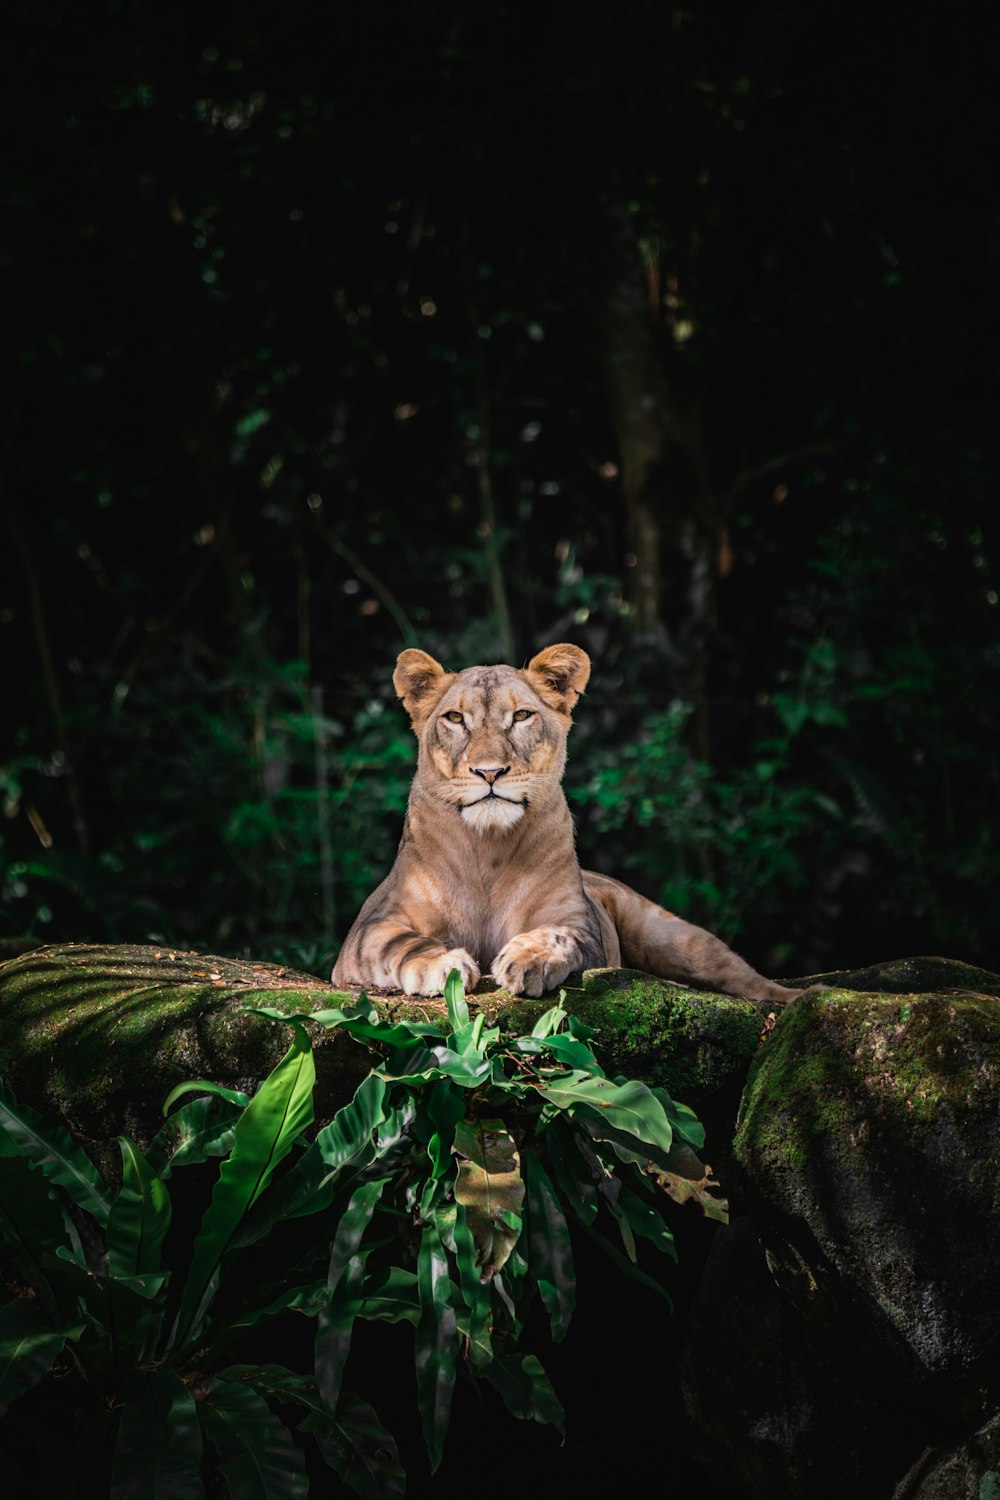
x=392 y=956
x=538 y=960
x=656 y=941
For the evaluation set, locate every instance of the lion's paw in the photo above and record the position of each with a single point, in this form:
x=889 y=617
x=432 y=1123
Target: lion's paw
x=428 y=976
x=536 y=961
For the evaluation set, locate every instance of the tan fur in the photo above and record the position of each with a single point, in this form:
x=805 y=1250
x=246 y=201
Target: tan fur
x=486 y=877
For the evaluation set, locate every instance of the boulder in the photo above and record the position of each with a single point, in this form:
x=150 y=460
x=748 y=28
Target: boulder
x=868 y=1152
x=868 y=1149
x=100 y=1035
x=768 y=1405
x=909 y=976
x=969 y=1470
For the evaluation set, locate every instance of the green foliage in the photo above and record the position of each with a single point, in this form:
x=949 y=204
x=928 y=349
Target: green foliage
x=441 y=1196
x=236 y=788
x=508 y=1140
x=715 y=847
x=252 y=455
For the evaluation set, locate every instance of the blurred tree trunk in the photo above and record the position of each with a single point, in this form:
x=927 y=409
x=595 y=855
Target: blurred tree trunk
x=23 y=548
x=675 y=519
x=608 y=269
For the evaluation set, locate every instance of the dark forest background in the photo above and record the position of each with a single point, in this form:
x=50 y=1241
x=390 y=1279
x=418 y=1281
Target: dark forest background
x=670 y=331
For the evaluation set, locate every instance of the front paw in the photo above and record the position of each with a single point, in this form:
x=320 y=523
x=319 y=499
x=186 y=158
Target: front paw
x=534 y=962
x=427 y=976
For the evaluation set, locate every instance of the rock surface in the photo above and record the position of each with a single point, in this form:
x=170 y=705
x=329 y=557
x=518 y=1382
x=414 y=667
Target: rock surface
x=768 y=1405
x=869 y=1150
x=969 y=1470
x=845 y=1325
x=910 y=976
x=100 y=1035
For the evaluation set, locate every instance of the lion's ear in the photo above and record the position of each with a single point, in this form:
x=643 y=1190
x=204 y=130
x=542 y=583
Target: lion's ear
x=559 y=675
x=419 y=680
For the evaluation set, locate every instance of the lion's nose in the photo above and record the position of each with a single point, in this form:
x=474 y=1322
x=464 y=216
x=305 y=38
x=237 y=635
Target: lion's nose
x=489 y=773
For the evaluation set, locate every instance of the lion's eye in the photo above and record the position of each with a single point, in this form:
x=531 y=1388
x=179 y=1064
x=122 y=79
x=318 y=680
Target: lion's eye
x=454 y=717
x=522 y=714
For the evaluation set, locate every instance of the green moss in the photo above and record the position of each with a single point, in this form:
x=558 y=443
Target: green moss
x=787 y=1075
x=911 y=976
x=690 y=1042
x=101 y=1035
x=842 y=1065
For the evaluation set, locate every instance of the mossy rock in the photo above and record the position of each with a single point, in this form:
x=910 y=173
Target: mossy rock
x=968 y=1470
x=869 y=1150
x=769 y=1406
x=100 y=1035
x=909 y=976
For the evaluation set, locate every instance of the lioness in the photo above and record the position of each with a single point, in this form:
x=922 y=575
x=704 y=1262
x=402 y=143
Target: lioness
x=486 y=876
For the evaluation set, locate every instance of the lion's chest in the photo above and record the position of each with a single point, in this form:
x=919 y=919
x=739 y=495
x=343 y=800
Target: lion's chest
x=468 y=893
x=481 y=917
x=483 y=935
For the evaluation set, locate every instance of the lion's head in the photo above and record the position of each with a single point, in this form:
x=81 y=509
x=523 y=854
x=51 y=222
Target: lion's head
x=492 y=739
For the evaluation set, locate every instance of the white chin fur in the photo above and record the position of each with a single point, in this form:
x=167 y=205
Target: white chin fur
x=492 y=814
